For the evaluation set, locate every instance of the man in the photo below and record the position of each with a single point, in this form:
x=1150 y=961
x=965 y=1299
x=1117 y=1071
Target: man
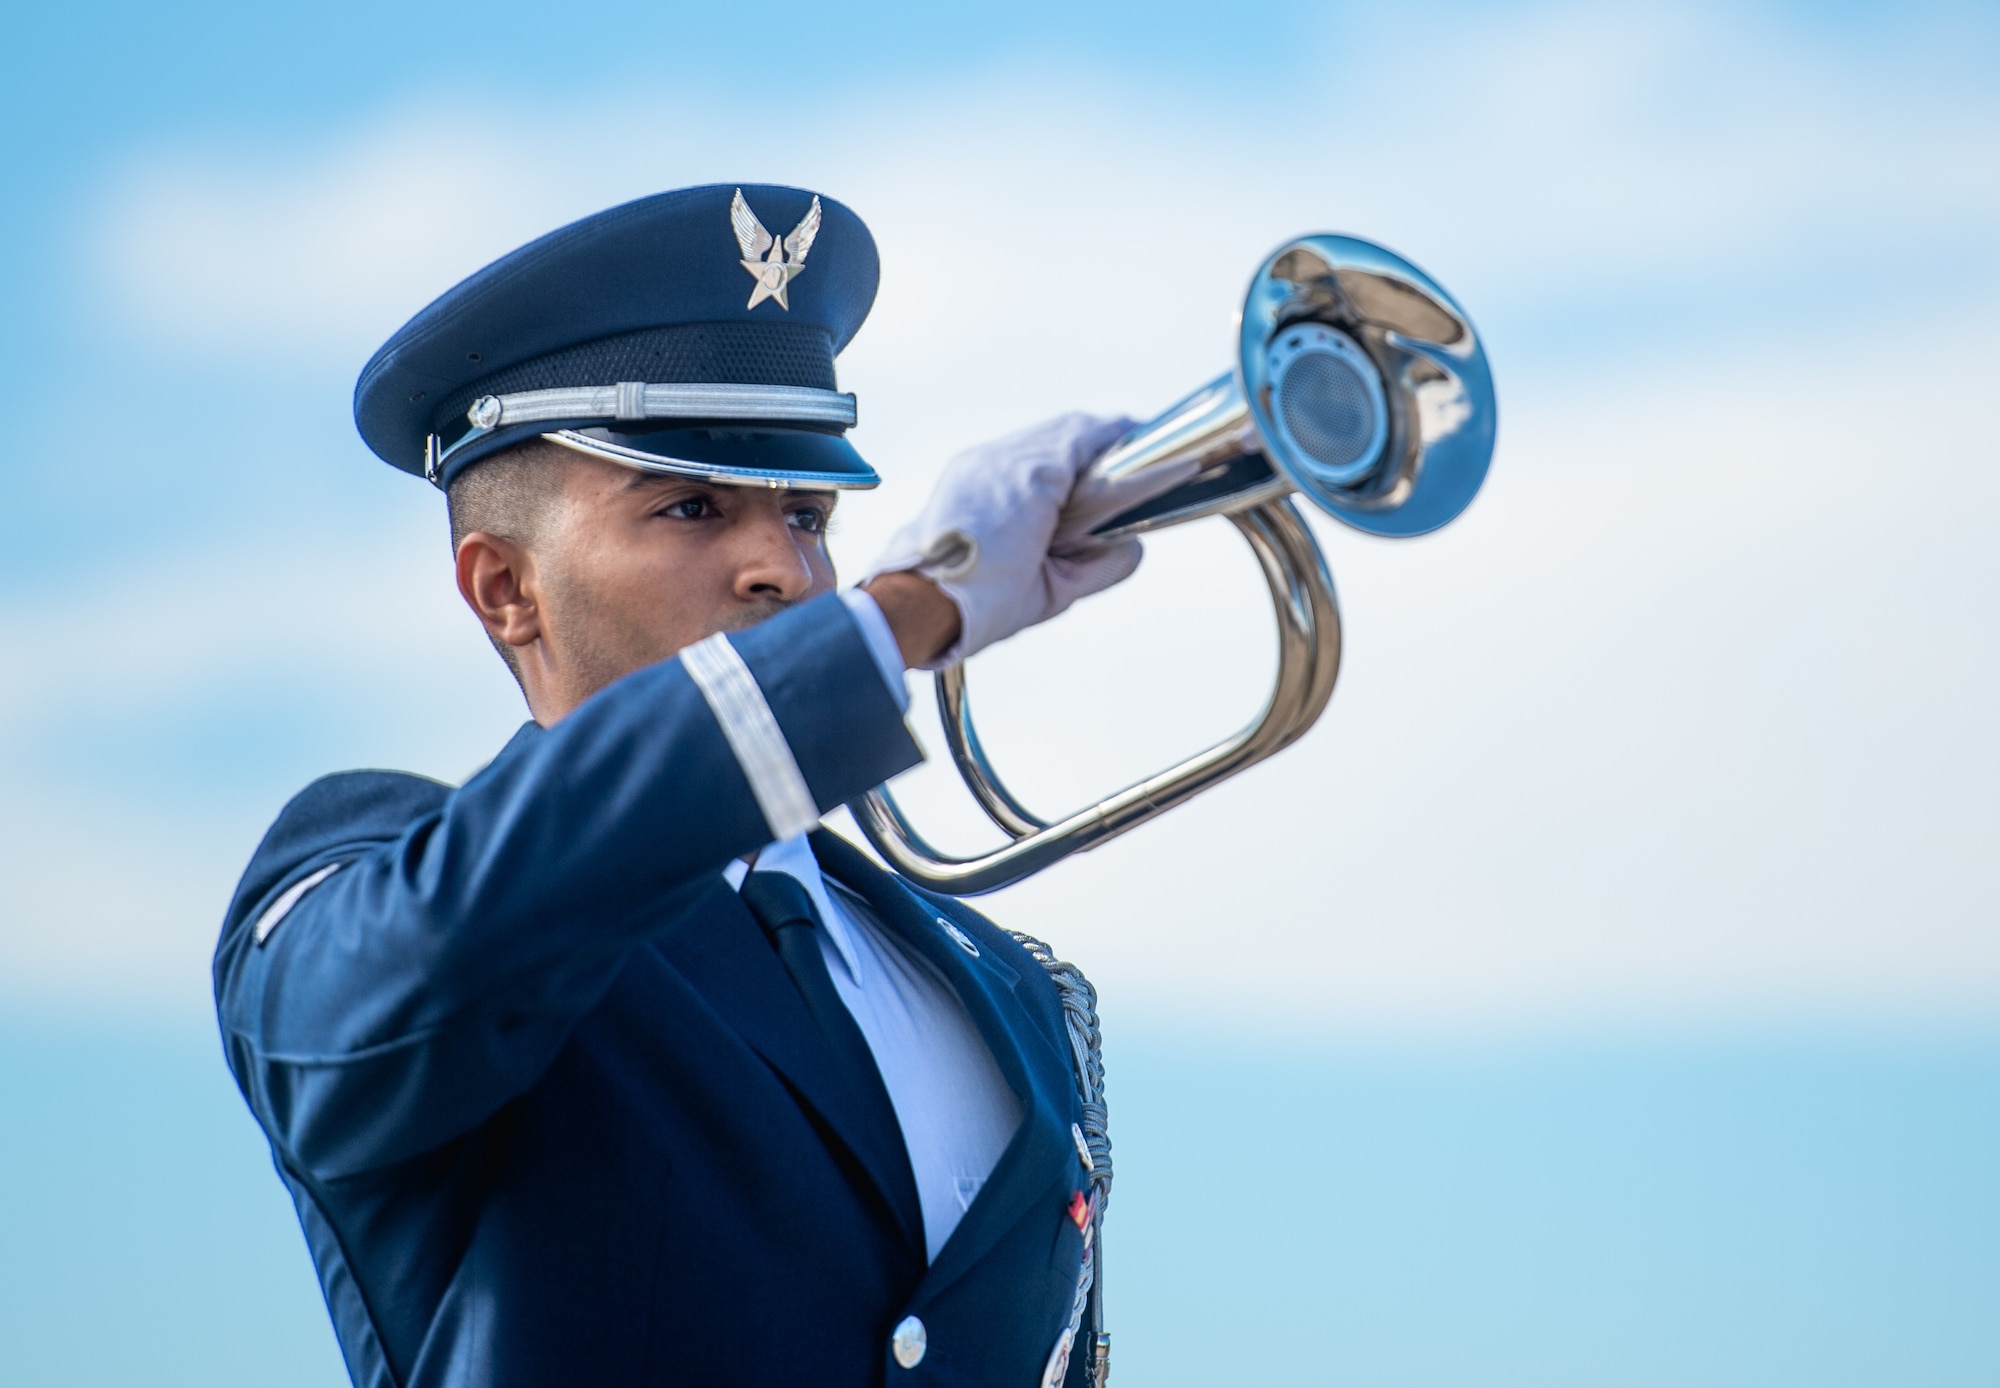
x=608 y=1067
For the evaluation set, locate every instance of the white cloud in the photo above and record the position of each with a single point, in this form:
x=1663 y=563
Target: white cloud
x=1688 y=720
x=1685 y=715
x=1538 y=152
x=112 y=884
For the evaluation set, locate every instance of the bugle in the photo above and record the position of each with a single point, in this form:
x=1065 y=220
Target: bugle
x=1360 y=384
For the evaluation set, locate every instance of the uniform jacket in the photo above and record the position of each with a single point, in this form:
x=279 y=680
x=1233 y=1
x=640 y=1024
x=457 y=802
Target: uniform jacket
x=549 y=1106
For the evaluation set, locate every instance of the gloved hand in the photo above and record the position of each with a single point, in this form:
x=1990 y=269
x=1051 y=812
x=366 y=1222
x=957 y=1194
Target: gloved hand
x=996 y=538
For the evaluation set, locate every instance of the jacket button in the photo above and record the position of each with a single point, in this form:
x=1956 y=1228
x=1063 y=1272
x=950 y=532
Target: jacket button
x=909 y=1342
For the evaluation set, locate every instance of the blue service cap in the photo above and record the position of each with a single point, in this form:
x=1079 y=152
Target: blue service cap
x=692 y=333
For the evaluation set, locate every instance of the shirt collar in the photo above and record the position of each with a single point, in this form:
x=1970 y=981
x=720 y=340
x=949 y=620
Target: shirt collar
x=794 y=858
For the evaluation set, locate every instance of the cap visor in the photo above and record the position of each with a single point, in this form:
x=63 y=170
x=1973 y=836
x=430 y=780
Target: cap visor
x=731 y=456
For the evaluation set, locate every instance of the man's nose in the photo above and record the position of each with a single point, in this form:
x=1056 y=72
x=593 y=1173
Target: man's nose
x=773 y=563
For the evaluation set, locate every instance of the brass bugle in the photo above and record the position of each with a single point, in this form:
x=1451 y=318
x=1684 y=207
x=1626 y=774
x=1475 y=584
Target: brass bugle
x=1360 y=384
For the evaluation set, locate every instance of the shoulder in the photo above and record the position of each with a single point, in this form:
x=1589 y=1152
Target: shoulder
x=365 y=804
x=343 y=812
x=1030 y=958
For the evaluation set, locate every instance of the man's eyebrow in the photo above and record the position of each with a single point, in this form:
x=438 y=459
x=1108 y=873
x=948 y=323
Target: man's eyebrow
x=640 y=481
x=653 y=479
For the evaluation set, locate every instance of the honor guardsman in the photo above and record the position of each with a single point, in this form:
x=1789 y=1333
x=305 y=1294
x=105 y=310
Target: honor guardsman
x=609 y=1066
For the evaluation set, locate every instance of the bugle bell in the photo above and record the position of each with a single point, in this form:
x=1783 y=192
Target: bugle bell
x=1359 y=383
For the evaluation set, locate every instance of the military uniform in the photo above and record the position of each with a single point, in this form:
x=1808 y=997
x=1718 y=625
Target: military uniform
x=549 y=1107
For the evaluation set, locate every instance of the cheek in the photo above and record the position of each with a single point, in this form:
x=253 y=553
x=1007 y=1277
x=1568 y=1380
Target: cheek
x=820 y=563
x=652 y=585
x=676 y=582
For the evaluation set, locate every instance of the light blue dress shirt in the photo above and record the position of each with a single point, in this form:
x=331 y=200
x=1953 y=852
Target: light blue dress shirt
x=953 y=1104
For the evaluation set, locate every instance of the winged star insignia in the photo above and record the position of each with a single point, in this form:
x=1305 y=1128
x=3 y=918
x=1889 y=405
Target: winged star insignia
x=772 y=263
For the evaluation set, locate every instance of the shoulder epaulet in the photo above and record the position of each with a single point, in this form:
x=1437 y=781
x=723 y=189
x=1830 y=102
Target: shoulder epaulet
x=349 y=807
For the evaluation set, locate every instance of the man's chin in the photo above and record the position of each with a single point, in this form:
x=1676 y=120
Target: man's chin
x=596 y=667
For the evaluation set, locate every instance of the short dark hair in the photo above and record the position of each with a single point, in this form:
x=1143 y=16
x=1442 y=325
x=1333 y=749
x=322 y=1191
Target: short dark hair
x=515 y=494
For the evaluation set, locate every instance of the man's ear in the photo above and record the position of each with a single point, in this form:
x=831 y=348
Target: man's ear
x=496 y=577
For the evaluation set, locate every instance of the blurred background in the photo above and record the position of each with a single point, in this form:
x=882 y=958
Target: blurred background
x=1607 y=991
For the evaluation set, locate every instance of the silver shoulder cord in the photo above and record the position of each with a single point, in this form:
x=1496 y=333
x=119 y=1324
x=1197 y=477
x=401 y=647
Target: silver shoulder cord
x=1086 y=1041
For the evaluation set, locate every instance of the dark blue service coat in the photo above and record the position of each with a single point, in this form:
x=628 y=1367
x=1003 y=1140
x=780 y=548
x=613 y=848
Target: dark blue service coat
x=549 y=1106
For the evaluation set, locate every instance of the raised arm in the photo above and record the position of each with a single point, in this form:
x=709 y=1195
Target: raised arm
x=435 y=969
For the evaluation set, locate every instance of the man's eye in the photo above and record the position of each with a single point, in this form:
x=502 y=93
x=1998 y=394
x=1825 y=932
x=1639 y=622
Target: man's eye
x=809 y=518
x=693 y=508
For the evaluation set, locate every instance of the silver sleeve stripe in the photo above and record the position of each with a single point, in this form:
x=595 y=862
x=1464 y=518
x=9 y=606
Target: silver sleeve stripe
x=278 y=909
x=753 y=735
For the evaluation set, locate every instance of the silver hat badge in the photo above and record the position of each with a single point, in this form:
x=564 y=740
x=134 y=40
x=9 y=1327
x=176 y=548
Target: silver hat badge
x=772 y=264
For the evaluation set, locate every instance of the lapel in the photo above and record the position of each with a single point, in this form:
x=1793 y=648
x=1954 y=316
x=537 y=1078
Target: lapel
x=723 y=954
x=1042 y=1151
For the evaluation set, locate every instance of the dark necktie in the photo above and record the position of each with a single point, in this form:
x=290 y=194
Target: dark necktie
x=785 y=910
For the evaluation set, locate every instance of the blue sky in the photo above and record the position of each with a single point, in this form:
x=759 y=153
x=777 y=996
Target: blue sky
x=1670 y=762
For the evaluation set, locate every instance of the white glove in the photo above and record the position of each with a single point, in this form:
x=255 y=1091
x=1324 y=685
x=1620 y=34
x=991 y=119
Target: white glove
x=996 y=539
